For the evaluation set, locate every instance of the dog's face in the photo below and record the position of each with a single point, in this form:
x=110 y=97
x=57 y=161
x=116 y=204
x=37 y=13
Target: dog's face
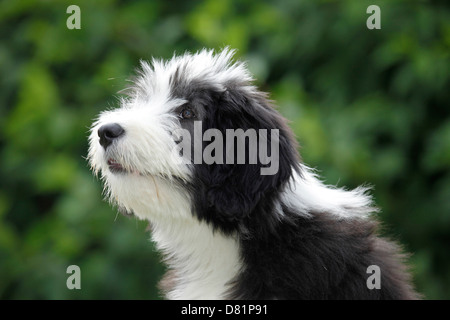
x=136 y=148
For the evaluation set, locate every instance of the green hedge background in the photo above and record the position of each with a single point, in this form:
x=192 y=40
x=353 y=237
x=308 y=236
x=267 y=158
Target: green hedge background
x=367 y=106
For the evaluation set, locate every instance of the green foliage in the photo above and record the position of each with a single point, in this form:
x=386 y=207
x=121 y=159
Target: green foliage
x=368 y=106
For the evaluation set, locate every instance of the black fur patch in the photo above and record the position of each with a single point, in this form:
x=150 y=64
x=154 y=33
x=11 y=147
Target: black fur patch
x=227 y=194
x=319 y=258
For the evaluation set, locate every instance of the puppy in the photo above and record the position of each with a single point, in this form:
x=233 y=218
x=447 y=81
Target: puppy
x=196 y=149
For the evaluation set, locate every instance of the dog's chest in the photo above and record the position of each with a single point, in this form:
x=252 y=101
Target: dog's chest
x=202 y=263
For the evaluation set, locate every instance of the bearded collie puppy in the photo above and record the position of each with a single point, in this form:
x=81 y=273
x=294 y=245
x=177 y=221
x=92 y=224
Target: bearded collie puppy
x=198 y=151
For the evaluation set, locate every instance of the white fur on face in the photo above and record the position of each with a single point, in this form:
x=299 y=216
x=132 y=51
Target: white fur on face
x=145 y=152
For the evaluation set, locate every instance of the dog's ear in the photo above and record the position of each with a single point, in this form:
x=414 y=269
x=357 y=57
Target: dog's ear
x=229 y=192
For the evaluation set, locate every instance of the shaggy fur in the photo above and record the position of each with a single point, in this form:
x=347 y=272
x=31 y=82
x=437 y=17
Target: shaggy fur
x=227 y=231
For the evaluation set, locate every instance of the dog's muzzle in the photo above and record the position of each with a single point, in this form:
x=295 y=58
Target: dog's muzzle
x=108 y=133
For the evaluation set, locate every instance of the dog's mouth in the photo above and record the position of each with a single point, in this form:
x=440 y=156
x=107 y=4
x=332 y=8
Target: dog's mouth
x=115 y=167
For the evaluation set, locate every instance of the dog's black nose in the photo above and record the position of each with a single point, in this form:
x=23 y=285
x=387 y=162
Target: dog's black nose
x=108 y=133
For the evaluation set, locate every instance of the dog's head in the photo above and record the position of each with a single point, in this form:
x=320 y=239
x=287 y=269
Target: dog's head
x=193 y=136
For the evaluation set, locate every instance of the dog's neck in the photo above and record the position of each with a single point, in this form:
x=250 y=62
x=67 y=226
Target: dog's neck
x=202 y=262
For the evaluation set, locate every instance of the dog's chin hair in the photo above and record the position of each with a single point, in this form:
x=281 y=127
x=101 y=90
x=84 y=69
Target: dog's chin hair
x=149 y=197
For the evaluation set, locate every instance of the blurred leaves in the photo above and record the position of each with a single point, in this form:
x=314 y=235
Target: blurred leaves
x=367 y=106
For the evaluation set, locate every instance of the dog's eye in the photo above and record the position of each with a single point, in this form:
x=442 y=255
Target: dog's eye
x=187 y=114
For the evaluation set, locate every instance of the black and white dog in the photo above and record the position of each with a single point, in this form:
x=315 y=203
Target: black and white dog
x=228 y=231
